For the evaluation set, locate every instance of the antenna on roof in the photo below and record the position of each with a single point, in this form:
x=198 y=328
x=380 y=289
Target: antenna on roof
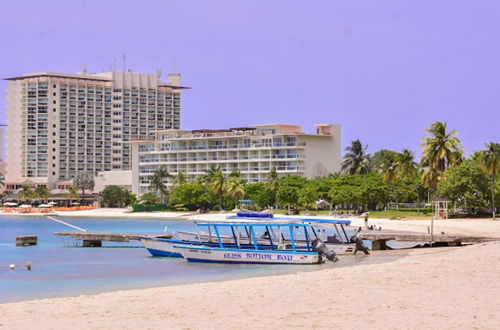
x=84 y=69
x=158 y=73
x=124 y=62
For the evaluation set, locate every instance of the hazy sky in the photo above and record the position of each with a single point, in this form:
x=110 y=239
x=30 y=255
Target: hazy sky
x=384 y=70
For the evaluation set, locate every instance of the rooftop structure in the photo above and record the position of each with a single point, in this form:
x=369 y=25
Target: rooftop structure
x=60 y=124
x=254 y=151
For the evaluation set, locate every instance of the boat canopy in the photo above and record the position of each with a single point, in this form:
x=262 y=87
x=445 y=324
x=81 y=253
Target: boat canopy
x=311 y=220
x=249 y=226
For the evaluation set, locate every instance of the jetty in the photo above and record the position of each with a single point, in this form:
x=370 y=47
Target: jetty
x=95 y=239
x=379 y=238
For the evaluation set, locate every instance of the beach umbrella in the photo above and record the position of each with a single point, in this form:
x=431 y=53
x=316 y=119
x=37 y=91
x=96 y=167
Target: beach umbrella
x=75 y=203
x=24 y=206
x=52 y=203
x=10 y=204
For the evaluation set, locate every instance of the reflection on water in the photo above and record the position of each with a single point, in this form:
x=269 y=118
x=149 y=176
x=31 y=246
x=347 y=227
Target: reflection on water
x=60 y=270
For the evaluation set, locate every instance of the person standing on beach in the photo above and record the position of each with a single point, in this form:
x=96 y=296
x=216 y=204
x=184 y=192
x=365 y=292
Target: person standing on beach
x=366 y=219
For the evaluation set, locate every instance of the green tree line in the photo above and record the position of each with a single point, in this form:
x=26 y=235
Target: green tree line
x=365 y=182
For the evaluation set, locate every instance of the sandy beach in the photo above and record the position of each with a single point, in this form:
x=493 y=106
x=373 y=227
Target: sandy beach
x=454 y=288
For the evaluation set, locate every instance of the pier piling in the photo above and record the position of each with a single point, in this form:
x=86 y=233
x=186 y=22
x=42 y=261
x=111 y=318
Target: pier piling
x=26 y=240
x=92 y=243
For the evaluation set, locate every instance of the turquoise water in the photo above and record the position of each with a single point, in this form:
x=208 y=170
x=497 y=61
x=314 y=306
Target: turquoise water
x=61 y=269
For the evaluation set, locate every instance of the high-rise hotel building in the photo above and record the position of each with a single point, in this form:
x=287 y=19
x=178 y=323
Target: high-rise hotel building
x=60 y=124
x=254 y=151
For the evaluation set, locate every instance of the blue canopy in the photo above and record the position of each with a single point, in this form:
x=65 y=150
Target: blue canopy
x=312 y=220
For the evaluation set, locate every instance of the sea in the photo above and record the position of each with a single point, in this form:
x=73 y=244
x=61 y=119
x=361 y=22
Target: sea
x=62 y=268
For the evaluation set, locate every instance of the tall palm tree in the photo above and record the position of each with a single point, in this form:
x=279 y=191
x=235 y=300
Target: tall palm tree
x=490 y=163
x=218 y=185
x=157 y=183
x=356 y=160
x=405 y=164
x=235 y=189
x=211 y=173
x=440 y=150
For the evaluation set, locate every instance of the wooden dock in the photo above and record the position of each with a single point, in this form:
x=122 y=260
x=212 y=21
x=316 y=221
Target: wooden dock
x=379 y=238
x=95 y=239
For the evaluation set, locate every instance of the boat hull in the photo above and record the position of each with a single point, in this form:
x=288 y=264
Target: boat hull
x=338 y=248
x=216 y=255
x=161 y=248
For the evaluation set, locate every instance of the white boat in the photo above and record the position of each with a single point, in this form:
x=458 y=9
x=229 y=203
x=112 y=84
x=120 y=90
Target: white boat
x=340 y=247
x=194 y=253
x=338 y=241
x=250 y=250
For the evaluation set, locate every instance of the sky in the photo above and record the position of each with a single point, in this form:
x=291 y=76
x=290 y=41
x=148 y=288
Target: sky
x=384 y=70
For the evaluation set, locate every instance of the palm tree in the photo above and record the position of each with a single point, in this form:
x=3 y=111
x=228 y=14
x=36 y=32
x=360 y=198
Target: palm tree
x=388 y=170
x=84 y=181
x=4 y=195
x=179 y=179
x=235 y=174
x=41 y=192
x=73 y=194
x=211 y=172
x=218 y=185
x=489 y=161
x=406 y=166
x=440 y=151
x=235 y=189
x=157 y=183
x=272 y=181
x=356 y=160
x=26 y=194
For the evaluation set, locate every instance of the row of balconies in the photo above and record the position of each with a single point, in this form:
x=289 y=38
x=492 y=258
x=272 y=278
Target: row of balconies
x=144 y=176
x=67 y=172
x=173 y=148
x=221 y=159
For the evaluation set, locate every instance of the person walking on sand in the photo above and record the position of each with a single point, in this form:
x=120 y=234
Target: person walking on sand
x=365 y=215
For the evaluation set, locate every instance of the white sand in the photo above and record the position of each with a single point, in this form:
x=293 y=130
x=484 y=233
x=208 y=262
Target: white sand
x=432 y=288
x=441 y=288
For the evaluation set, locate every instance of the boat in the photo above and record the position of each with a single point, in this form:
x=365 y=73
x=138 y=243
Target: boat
x=338 y=240
x=246 y=214
x=250 y=250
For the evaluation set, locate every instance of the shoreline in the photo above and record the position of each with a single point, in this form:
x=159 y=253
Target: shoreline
x=471 y=226
x=422 y=285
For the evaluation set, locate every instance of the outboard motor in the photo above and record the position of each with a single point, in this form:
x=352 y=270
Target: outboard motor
x=360 y=246
x=320 y=246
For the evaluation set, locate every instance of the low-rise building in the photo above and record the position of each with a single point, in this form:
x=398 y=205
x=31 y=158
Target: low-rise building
x=254 y=151
x=113 y=178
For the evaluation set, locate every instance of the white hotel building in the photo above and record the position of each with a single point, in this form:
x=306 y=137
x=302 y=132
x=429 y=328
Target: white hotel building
x=252 y=150
x=60 y=124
